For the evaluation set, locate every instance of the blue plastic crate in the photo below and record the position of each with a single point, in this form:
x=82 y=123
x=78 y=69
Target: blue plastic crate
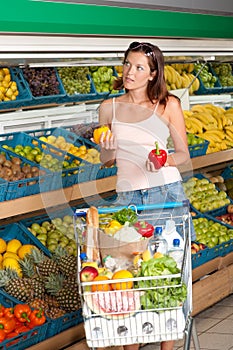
x=217 y=89
x=217 y=212
x=225 y=89
x=97 y=171
x=50 y=98
x=104 y=95
x=3 y=189
x=227 y=173
x=201 y=176
x=77 y=97
x=24 y=95
x=207 y=254
x=63 y=178
x=15 y=230
x=199 y=149
x=25 y=339
x=64 y=322
x=25 y=187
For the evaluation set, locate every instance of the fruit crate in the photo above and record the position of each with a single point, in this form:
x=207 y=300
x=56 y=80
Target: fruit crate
x=217 y=212
x=97 y=171
x=104 y=95
x=26 y=223
x=197 y=211
x=49 y=99
x=217 y=89
x=64 y=178
x=77 y=97
x=24 y=96
x=38 y=334
x=227 y=173
x=26 y=339
x=225 y=89
x=3 y=189
x=24 y=187
x=199 y=149
x=207 y=254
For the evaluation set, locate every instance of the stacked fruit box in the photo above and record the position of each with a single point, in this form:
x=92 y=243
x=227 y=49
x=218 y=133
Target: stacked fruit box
x=78 y=146
x=204 y=198
x=21 y=177
x=40 y=281
x=77 y=83
x=44 y=85
x=66 y=172
x=103 y=78
x=209 y=82
x=17 y=94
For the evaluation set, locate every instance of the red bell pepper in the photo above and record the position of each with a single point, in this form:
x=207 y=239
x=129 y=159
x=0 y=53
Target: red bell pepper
x=9 y=312
x=22 y=312
x=37 y=318
x=144 y=228
x=2 y=309
x=158 y=156
x=2 y=335
x=7 y=324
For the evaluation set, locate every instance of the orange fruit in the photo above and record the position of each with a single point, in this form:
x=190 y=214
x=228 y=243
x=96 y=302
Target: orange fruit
x=122 y=274
x=101 y=287
x=98 y=132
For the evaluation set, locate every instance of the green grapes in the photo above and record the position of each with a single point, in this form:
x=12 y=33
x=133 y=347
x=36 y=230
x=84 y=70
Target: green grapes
x=75 y=79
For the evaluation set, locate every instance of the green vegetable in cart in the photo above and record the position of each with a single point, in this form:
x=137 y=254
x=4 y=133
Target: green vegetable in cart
x=125 y=215
x=169 y=292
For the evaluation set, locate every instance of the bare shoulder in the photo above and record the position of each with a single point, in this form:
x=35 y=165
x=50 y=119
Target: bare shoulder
x=173 y=102
x=106 y=111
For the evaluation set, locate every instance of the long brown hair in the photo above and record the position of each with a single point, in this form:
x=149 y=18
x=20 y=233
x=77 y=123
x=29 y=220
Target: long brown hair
x=156 y=88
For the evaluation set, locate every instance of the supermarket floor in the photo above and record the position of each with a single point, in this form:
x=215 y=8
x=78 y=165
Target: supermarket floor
x=214 y=329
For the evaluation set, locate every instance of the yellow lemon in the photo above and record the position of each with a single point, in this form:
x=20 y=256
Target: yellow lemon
x=24 y=250
x=10 y=255
x=13 y=245
x=157 y=255
x=3 y=245
x=122 y=274
x=146 y=255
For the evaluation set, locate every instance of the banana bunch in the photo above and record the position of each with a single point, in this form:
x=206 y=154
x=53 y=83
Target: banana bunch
x=178 y=78
x=212 y=123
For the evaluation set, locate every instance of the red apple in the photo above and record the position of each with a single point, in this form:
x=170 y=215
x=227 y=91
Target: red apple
x=88 y=273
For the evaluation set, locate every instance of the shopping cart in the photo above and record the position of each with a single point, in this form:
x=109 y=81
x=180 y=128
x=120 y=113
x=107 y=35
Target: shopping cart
x=143 y=309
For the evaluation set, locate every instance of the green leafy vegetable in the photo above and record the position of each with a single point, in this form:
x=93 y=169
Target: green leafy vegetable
x=125 y=215
x=165 y=292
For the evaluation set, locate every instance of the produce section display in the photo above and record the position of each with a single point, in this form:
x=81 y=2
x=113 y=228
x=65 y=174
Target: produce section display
x=203 y=195
x=75 y=79
x=42 y=81
x=212 y=123
x=179 y=76
x=224 y=73
x=8 y=87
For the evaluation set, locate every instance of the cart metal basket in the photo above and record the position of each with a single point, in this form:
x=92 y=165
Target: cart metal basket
x=144 y=309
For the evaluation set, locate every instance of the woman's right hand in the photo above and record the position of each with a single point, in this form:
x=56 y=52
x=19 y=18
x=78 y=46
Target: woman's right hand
x=108 y=141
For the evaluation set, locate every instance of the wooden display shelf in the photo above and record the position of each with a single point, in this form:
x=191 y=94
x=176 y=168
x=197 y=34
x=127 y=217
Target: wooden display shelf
x=50 y=199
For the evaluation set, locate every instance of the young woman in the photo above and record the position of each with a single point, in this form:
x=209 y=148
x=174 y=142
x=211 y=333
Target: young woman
x=144 y=114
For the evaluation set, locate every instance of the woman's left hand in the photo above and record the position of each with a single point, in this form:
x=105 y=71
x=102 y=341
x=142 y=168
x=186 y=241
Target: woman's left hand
x=150 y=166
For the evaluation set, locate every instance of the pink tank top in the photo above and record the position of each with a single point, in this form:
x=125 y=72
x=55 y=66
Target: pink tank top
x=135 y=141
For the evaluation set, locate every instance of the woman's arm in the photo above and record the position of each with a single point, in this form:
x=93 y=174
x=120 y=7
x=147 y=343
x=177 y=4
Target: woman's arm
x=107 y=146
x=174 y=114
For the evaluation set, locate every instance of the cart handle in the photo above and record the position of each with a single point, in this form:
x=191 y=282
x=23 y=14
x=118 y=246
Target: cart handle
x=168 y=205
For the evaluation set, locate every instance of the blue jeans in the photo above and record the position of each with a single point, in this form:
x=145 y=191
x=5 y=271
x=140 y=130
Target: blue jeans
x=172 y=192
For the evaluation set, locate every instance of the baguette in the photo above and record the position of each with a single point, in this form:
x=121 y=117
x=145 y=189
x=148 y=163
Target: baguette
x=92 y=217
x=92 y=220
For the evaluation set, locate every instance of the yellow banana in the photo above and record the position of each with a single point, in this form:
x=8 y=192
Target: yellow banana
x=197 y=123
x=187 y=113
x=172 y=74
x=229 y=128
x=229 y=134
x=168 y=74
x=198 y=108
x=218 y=133
x=205 y=118
x=190 y=67
x=165 y=73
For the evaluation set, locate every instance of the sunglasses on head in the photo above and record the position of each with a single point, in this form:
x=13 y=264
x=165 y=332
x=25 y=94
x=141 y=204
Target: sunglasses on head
x=146 y=47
